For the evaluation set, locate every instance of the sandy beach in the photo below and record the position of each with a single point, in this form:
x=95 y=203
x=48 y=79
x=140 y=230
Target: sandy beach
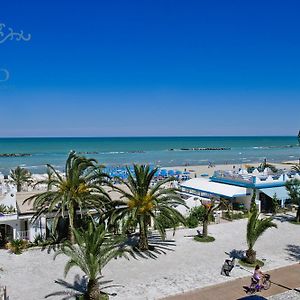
x=186 y=264
x=199 y=170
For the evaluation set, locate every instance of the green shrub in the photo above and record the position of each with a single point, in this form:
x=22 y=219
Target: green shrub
x=196 y=216
x=246 y=264
x=202 y=239
x=17 y=246
x=235 y=216
x=192 y=221
x=167 y=223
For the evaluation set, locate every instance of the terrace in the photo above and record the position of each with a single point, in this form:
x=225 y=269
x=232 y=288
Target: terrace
x=255 y=179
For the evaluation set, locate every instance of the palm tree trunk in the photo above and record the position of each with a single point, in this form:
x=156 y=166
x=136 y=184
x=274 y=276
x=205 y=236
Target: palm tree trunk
x=251 y=256
x=19 y=187
x=205 y=228
x=70 y=230
x=143 y=241
x=93 y=292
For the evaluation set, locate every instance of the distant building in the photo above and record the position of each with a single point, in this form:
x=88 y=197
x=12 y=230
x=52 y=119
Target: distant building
x=238 y=187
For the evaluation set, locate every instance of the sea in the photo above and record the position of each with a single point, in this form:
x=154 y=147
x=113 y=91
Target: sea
x=35 y=153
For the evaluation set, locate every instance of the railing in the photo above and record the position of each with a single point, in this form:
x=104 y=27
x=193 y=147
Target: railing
x=23 y=235
x=248 y=178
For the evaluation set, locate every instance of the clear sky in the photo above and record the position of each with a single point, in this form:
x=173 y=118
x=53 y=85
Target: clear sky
x=127 y=68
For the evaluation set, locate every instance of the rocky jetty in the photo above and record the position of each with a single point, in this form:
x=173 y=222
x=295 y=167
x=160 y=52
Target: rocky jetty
x=202 y=149
x=14 y=154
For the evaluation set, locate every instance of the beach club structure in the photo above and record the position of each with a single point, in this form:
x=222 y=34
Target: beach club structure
x=238 y=187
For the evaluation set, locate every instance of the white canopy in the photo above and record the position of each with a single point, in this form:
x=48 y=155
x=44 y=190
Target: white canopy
x=280 y=191
x=210 y=187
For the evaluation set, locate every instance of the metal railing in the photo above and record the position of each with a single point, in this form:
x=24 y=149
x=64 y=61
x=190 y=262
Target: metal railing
x=23 y=235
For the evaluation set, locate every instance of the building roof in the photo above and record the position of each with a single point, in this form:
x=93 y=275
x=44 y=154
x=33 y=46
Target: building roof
x=25 y=208
x=215 y=188
x=281 y=192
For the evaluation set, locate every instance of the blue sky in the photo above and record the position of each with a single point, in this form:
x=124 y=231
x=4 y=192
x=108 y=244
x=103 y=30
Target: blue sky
x=127 y=68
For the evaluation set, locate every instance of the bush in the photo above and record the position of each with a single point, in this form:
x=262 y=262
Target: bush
x=192 y=221
x=167 y=223
x=246 y=264
x=202 y=239
x=196 y=216
x=17 y=246
x=235 y=216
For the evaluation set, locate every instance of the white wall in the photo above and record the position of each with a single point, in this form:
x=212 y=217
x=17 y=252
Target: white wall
x=8 y=197
x=37 y=228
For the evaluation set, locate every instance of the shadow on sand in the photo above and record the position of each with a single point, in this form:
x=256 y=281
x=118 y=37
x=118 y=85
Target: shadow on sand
x=283 y=218
x=79 y=287
x=237 y=254
x=157 y=246
x=293 y=252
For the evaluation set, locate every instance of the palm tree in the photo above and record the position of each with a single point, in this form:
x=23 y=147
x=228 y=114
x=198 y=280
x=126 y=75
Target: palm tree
x=255 y=228
x=296 y=167
x=70 y=194
x=19 y=176
x=265 y=165
x=93 y=250
x=293 y=188
x=140 y=203
x=209 y=208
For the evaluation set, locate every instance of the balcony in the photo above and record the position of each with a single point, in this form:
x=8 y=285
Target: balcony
x=23 y=235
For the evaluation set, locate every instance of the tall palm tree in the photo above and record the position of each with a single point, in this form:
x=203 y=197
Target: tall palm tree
x=19 y=176
x=93 y=250
x=293 y=188
x=255 y=228
x=140 y=203
x=68 y=195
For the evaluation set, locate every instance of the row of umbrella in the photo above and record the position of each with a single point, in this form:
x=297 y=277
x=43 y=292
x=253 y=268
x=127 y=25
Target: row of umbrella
x=122 y=173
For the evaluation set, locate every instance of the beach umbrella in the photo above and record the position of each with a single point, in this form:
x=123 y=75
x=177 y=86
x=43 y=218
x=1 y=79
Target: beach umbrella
x=171 y=173
x=163 y=172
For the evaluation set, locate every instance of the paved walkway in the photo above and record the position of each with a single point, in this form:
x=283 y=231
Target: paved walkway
x=283 y=279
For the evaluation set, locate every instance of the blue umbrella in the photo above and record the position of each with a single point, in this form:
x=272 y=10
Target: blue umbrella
x=171 y=172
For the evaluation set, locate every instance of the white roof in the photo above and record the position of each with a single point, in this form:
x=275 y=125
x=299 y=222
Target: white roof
x=280 y=191
x=220 y=189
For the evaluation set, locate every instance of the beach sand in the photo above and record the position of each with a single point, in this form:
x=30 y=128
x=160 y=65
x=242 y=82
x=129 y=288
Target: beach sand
x=186 y=265
x=199 y=170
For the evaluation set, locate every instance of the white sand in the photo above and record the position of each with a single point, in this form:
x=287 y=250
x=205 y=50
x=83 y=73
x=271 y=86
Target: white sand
x=191 y=265
x=204 y=169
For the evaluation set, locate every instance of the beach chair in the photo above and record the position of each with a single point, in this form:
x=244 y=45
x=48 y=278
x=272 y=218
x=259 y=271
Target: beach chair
x=227 y=266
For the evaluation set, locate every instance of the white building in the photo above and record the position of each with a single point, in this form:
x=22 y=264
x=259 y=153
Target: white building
x=15 y=216
x=239 y=187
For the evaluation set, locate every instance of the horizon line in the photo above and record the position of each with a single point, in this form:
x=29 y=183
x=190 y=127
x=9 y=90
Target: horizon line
x=142 y=136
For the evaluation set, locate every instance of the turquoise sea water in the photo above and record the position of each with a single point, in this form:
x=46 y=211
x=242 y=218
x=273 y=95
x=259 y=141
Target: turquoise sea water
x=153 y=150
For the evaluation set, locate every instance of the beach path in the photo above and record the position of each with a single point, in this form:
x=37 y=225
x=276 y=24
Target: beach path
x=283 y=279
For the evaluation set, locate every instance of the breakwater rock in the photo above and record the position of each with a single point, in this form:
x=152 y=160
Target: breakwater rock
x=14 y=154
x=202 y=149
